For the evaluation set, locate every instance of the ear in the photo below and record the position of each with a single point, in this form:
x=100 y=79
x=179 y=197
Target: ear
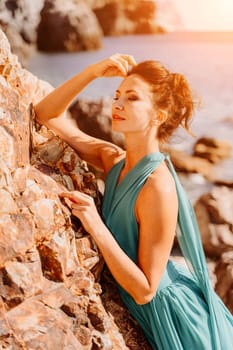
x=154 y=122
x=162 y=116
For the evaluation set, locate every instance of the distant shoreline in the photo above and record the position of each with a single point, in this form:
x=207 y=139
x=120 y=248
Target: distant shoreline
x=201 y=35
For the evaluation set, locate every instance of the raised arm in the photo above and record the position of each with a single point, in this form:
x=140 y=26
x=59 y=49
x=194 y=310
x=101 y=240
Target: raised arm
x=59 y=99
x=50 y=110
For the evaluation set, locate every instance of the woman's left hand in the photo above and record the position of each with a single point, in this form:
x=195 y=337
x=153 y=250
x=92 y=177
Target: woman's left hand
x=84 y=208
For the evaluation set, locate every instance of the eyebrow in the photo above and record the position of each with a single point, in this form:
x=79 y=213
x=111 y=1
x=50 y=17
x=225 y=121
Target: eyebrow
x=127 y=91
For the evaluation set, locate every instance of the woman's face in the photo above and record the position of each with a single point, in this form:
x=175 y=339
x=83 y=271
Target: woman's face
x=132 y=108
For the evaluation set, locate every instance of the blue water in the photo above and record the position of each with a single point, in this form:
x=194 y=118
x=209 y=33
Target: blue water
x=205 y=59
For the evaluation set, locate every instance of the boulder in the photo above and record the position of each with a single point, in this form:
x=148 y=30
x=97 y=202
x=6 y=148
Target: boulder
x=19 y=20
x=214 y=214
x=68 y=26
x=187 y=163
x=224 y=274
x=129 y=17
x=212 y=149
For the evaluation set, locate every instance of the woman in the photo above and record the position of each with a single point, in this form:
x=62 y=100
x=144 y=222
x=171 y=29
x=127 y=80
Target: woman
x=177 y=309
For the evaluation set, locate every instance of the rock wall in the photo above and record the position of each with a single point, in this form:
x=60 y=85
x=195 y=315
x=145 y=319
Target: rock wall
x=49 y=267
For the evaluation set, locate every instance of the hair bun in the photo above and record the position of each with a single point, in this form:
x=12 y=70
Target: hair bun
x=171 y=93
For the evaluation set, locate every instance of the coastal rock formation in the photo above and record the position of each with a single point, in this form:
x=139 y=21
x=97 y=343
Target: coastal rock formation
x=187 y=163
x=50 y=297
x=69 y=26
x=79 y=25
x=214 y=213
x=224 y=274
x=19 y=20
x=127 y=17
x=213 y=150
x=72 y=25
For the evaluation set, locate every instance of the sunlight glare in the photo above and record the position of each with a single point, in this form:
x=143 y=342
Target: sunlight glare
x=210 y=15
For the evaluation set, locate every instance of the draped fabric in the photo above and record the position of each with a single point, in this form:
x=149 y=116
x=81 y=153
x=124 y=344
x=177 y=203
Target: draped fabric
x=185 y=312
x=191 y=246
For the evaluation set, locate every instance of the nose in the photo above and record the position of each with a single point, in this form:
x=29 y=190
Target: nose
x=118 y=106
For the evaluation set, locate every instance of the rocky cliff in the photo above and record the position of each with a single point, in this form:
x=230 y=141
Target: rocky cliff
x=49 y=267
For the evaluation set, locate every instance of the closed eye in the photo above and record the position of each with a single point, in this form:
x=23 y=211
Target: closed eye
x=133 y=98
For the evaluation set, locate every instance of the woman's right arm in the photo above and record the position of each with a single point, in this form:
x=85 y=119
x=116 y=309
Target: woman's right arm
x=50 y=111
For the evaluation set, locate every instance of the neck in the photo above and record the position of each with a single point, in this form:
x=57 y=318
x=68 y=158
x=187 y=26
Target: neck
x=138 y=146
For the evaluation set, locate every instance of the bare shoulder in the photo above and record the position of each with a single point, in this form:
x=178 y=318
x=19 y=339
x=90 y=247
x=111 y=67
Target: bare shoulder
x=159 y=188
x=161 y=181
x=110 y=156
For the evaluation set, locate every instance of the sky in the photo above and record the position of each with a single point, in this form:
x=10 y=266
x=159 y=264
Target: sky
x=207 y=15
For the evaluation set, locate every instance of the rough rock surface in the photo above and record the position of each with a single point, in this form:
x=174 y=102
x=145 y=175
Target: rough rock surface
x=49 y=267
x=131 y=331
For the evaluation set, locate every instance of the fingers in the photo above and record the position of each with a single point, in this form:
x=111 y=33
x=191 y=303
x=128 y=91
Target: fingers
x=83 y=207
x=77 y=197
x=115 y=65
x=76 y=201
x=129 y=58
x=123 y=62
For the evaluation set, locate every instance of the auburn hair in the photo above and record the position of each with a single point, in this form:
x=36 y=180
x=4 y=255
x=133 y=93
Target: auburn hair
x=171 y=93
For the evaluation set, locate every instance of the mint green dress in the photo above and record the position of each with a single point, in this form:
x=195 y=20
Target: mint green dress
x=185 y=313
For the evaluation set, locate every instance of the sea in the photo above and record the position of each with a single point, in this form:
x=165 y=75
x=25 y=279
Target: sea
x=205 y=58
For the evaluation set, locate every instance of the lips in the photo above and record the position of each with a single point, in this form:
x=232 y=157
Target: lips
x=117 y=117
